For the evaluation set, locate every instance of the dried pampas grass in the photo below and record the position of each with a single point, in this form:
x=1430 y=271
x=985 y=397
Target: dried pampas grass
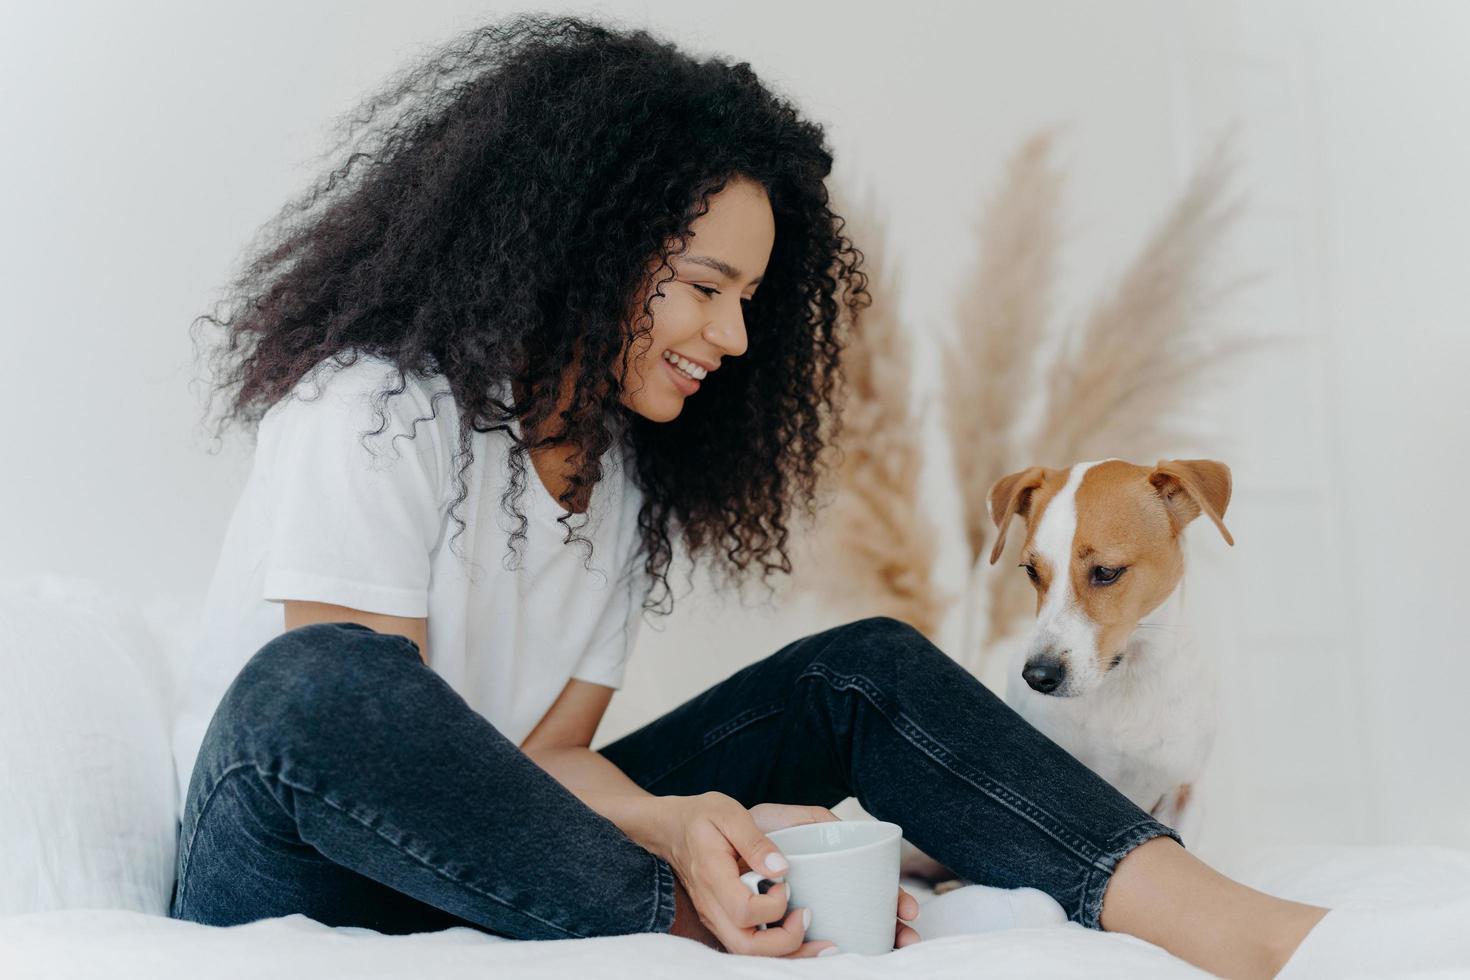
x=1002 y=315
x=1133 y=363
x=872 y=549
x=1003 y=311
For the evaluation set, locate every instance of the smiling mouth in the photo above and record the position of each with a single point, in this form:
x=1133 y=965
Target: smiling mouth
x=683 y=382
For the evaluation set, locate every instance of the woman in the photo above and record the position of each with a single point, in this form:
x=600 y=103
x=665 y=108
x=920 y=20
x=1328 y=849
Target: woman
x=560 y=241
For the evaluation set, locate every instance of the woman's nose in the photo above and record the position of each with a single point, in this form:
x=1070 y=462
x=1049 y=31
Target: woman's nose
x=728 y=332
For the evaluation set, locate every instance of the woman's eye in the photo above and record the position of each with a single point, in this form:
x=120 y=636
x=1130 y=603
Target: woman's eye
x=1106 y=576
x=708 y=291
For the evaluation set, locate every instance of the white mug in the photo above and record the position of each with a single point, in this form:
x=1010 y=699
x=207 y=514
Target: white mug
x=846 y=873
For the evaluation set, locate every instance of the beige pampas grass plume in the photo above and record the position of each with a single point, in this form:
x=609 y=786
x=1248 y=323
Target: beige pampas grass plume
x=872 y=548
x=1119 y=385
x=1001 y=317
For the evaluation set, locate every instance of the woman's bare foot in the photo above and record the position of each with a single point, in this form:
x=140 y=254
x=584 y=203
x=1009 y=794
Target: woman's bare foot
x=1164 y=895
x=1292 y=931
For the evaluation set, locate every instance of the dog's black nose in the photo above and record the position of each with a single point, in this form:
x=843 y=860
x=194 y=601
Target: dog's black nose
x=1045 y=675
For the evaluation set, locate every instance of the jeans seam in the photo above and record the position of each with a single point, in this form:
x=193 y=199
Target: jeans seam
x=1000 y=793
x=186 y=846
x=718 y=734
x=663 y=890
x=295 y=787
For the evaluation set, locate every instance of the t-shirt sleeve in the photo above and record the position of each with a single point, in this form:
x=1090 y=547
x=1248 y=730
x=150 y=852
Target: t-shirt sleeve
x=354 y=514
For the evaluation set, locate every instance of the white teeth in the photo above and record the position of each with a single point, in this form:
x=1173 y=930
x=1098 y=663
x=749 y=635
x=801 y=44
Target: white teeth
x=685 y=365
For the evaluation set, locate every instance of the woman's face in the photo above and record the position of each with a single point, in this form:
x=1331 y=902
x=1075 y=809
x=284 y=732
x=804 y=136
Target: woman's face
x=701 y=315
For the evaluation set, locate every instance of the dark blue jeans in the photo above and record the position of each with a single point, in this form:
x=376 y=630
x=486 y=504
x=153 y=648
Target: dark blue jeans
x=343 y=779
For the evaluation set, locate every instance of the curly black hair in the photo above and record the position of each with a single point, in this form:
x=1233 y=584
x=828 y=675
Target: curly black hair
x=494 y=218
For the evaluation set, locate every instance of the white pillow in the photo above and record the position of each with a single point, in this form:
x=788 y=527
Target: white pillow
x=87 y=809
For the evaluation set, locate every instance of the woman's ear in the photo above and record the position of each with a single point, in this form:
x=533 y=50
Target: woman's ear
x=1011 y=495
x=1188 y=486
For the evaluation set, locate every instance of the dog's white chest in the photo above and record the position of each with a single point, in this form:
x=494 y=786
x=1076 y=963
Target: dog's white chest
x=1147 y=728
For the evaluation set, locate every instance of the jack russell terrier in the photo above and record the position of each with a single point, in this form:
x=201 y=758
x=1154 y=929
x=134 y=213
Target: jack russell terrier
x=1126 y=697
x=1103 y=551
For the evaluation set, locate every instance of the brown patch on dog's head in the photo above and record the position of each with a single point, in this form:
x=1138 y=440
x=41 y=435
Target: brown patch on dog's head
x=1129 y=519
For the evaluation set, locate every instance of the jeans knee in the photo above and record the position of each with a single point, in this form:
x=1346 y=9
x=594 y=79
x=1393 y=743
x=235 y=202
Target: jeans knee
x=321 y=670
x=325 y=652
x=874 y=642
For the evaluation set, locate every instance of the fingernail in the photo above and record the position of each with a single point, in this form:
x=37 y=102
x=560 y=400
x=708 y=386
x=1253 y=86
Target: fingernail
x=806 y=919
x=829 y=949
x=775 y=862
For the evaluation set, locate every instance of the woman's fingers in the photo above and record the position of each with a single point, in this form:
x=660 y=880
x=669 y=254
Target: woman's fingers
x=779 y=940
x=908 y=905
x=767 y=908
x=748 y=909
x=753 y=847
x=775 y=816
x=720 y=878
x=813 y=948
x=908 y=908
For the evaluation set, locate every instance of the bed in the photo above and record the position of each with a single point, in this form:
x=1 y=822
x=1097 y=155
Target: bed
x=87 y=837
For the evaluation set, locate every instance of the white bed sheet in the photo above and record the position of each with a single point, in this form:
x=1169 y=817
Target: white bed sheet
x=1424 y=894
x=127 y=945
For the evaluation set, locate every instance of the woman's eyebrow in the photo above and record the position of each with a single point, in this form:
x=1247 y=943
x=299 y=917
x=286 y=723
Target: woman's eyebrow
x=719 y=265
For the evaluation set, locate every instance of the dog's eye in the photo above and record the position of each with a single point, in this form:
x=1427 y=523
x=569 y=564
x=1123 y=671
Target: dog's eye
x=1030 y=571
x=1106 y=576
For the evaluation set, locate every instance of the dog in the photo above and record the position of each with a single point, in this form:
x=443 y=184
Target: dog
x=1122 y=695
x=1129 y=698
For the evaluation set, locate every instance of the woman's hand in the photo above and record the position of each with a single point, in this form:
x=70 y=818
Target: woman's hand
x=774 y=816
x=711 y=839
x=708 y=835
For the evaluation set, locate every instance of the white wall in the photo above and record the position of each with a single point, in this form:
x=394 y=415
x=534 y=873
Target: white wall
x=1345 y=664
x=145 y=144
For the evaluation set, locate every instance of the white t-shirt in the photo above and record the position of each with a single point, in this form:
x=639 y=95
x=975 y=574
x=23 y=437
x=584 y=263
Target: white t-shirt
x=322 y=519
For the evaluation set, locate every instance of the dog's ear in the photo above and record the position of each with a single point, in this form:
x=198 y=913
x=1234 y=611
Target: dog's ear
x=1188 y=486
x=1011 y=495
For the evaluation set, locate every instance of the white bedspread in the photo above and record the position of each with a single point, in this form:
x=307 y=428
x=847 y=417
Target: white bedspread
x=1424 y=892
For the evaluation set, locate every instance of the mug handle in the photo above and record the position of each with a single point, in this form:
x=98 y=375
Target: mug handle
x=759 y=884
